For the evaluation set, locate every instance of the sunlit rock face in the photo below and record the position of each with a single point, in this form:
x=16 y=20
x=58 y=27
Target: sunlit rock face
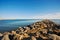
x=54 y=36
x=6 y=36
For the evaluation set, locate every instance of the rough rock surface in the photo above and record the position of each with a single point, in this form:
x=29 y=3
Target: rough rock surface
x=42 y=30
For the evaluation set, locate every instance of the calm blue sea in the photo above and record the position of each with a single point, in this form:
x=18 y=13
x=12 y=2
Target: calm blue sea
x=8 y=25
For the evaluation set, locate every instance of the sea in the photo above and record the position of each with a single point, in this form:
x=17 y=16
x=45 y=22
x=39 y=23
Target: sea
x=9 y=25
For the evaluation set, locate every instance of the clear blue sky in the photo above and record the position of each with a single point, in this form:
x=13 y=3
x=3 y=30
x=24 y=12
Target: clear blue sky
x=24 y=9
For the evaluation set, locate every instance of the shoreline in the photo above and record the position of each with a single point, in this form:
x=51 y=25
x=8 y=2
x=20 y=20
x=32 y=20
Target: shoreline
x=39 y=30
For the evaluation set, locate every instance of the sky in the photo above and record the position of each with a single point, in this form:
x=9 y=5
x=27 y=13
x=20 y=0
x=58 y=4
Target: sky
x=29 y=9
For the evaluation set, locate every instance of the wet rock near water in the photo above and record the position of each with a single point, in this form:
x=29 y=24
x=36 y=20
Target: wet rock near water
x=42 y=30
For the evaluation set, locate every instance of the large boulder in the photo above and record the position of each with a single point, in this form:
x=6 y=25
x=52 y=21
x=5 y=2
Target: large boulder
x=6 y=36
x=54 y=36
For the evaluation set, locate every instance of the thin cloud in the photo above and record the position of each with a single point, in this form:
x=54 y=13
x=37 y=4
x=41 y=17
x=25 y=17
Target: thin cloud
x=49 y=16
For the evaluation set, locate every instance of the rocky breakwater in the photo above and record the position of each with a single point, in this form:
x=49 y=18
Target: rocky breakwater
x=42 y=30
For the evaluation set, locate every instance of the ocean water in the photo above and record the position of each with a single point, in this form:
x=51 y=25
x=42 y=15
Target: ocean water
x=8 y=25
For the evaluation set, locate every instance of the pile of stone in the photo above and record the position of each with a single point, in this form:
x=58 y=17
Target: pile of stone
x=42 y=30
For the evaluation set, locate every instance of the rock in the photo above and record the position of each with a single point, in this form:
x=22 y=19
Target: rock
x=27 y=30
x=11 y=36
x=5 y=36
x=44 y=31
x=33 y=31
x=49 y=23
x=44 y=24
x=54 y=36
x=18 y=37
x=26 y=35
x=43 y=36
x=37 y=34
x=1 y=34
x=33 y=38
x=13 y=32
